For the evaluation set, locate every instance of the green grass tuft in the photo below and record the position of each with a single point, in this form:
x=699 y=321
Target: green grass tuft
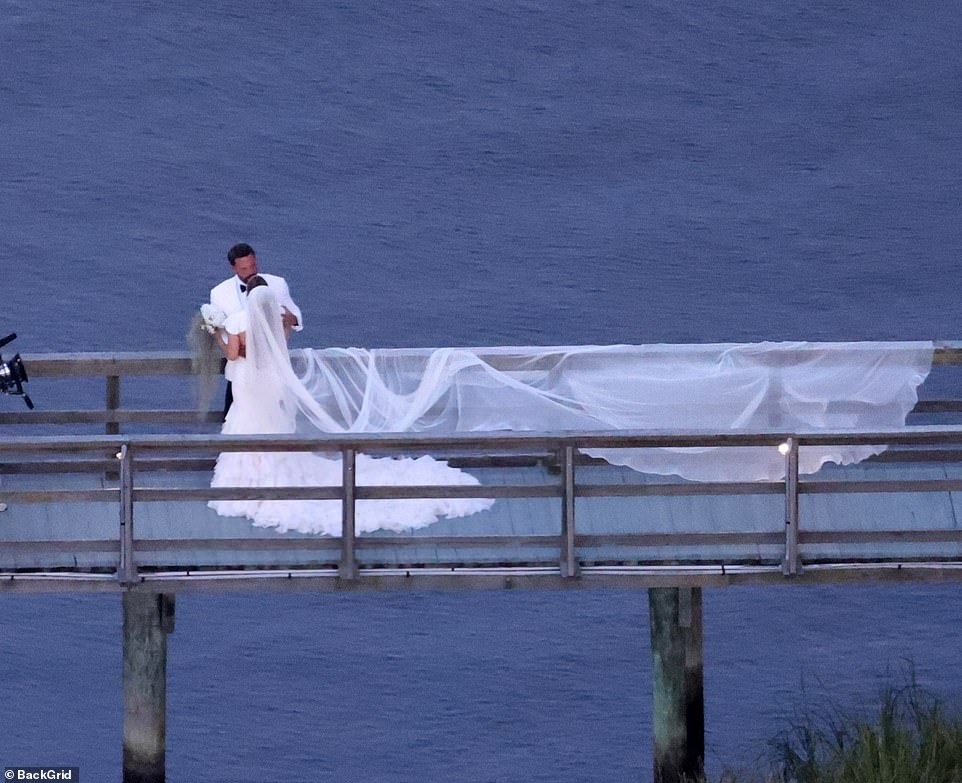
x=908 y=739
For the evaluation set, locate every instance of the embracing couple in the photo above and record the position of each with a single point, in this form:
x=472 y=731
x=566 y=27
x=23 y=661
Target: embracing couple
x=265 y=396
x=231 y=298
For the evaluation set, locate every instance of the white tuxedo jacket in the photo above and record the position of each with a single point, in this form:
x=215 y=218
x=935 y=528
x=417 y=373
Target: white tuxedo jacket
x=227 y=297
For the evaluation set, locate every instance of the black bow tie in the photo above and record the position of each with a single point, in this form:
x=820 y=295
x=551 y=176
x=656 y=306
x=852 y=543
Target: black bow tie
x=243 y=288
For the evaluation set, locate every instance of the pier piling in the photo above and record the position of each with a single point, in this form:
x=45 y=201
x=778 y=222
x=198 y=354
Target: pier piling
x=678 y=716
x=148 y=618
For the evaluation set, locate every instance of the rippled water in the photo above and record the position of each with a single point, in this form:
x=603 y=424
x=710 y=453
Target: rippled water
x=455 y=173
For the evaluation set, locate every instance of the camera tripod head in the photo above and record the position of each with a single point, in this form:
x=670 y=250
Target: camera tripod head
x=13 y=375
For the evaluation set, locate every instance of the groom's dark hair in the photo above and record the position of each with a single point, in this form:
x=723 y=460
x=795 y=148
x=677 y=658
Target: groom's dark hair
x=239 y=251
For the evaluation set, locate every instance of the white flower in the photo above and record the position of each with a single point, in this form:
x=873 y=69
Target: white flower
x=213 y=318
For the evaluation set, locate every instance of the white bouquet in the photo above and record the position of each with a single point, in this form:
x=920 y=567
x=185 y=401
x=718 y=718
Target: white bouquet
x=206 y=359
x=212 y=318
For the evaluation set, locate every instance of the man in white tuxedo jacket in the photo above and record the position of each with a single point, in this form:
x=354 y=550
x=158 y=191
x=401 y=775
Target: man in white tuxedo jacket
x=231 y=296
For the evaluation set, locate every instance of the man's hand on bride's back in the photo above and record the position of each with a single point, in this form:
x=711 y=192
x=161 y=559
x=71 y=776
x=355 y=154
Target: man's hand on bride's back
x=288 y=318
x=289 y=321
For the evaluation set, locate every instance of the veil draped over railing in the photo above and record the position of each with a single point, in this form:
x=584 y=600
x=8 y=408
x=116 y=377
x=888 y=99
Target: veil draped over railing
x=796 y=386
x=785 y=387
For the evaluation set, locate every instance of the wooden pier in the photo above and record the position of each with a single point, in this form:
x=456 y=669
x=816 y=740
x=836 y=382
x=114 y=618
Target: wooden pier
x=121 y=505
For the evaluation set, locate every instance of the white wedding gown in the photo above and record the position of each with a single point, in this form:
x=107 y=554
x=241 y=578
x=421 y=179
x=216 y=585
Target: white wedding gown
x=269 y=399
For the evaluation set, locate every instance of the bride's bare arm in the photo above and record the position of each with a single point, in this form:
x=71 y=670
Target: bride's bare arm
x=234 y=346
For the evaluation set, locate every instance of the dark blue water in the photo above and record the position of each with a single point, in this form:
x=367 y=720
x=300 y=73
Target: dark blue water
x=465 y=173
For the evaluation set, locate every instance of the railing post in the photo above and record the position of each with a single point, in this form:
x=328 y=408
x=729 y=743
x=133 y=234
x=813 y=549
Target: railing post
x=347 y=569
x=791 y=565
x=127 y=570
x=569 y=564
x=113 y=403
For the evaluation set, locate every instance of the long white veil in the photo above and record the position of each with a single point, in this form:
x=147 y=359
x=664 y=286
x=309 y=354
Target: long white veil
x=800 y=387
x=712 y=388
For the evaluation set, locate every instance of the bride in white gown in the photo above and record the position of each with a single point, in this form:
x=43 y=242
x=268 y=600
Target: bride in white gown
x=269 y=398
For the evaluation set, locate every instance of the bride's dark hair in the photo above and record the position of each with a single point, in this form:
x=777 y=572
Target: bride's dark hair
x=254 y=281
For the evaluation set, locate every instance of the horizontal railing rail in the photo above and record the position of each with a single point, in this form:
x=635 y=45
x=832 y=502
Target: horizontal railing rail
x=487 y=440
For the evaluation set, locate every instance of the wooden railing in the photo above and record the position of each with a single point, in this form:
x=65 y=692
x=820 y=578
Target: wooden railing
x=134 y=452
x=113 y=368
x=126 y=458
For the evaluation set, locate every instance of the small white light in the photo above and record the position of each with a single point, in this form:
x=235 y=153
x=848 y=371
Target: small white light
x=119 y=455
x=783 y=448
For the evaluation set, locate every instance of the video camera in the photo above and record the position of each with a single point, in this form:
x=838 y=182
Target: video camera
x=13 y=375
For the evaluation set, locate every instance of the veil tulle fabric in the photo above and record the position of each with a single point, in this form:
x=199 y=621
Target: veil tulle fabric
x=798 y=386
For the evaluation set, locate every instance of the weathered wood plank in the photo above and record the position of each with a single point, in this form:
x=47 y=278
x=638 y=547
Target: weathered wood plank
x=64 y=466
x=59 y=495
x=93 y=363
x=111 y=416
x=441 y=445
x=879 y=536
x=336 y=493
